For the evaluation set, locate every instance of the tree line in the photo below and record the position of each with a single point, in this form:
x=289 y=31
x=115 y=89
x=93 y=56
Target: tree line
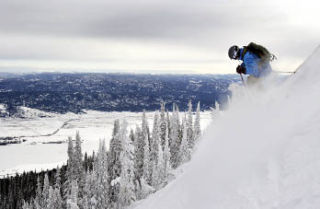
x=137 y=163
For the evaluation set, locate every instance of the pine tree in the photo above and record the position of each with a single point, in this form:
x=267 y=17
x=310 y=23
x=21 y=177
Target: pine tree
x=146 y=149
x=89 y=200
x=145 y=127
x=142 y=165
x=166 y=161
x=55 y=199
x=95 y=192
x=184 y=151
x=159 y=177
x=70 y=172
x=100 y=178
x=78 y=168
x=189 y=126
x=70 y=155
x=127 y=188
x=197 y=128
x=51 y=199
x=58 y=179
x=58 y=198
x=168 y=123
x=38 y=201
x=72 y=201
x=75 y=170
x=156 y=156
x=115 y=162
x=155 y=178
x=162 y=125
x=154 y=146
x=139 y=154
x=45 y=191
x=174 y=136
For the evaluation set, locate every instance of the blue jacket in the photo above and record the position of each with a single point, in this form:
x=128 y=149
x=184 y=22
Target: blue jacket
x=253 y=65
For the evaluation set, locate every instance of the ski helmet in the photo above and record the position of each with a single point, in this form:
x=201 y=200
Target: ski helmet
x=233 y=52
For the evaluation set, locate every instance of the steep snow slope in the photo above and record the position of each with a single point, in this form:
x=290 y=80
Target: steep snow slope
x=263 y=152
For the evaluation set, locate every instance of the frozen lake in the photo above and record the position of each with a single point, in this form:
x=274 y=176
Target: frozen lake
x=36 y=154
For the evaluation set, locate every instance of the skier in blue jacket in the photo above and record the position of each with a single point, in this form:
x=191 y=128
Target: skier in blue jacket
x=255 y=60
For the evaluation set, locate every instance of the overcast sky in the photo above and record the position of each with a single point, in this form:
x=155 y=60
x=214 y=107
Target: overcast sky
x=152 y=36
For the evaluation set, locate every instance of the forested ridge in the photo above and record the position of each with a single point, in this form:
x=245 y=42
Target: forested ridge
x=62 y=93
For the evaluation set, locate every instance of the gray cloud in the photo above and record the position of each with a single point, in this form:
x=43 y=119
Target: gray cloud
x=203 y=24
x=141 y=19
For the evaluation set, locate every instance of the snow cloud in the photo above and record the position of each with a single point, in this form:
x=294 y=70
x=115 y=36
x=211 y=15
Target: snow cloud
x=150 y=36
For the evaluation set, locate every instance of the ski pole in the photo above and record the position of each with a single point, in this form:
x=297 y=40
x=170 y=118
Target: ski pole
x=242 y=79
x=284 y=72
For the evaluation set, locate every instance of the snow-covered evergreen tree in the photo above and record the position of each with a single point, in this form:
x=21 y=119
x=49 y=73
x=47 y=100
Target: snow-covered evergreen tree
x=51 y=199
x=174 y=136
x=115 y=148
x=127 y=187
x=147 y=169
x=55 y=199
x=78 y=159
x=80 y=170
x=58 y=179
x=135 y=166
x=38 y=200
x=189 y=126
x=70 y=156
x=184 y=151
x=70 y=172
x=89 y=199
x=168 y=123
x=154 y=146
x=139 y=153
x=141 y=164
x=145 y=126
x=197 y=128
x=162 y=125
x=166 y=165
x=114 y=165
x=75 y=171
x=45 y=191
x=100 y=196
x=72 y=201
x=156 y=155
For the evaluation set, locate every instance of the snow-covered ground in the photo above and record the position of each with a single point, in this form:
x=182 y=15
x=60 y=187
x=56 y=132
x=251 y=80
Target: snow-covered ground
x=36 y=153
x=262 y=153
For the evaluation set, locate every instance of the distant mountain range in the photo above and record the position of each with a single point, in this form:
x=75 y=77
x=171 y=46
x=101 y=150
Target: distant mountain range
x=68 y=92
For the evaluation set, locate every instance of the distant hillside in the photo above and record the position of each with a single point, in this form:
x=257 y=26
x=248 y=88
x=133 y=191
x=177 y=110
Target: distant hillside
x=56 y=92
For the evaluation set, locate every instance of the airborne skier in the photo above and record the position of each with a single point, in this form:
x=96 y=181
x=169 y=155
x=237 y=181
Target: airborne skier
x=255 y=61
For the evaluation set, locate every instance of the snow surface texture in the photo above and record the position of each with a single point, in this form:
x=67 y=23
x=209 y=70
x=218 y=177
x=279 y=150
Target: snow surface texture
x=262 y=153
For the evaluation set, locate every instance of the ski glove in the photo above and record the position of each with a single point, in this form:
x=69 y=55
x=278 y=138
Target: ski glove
x=241 y=69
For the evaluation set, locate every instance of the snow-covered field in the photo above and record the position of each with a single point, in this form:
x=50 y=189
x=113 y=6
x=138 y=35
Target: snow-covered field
x=36 y=153
x=262 y=153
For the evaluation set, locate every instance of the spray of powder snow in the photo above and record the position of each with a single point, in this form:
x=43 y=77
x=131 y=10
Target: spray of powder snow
x=263 y=152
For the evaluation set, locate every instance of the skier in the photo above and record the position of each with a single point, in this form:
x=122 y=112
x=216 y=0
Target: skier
x=255 y=61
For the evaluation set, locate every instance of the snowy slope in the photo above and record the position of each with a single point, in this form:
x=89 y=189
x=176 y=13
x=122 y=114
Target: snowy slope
x=263 y=152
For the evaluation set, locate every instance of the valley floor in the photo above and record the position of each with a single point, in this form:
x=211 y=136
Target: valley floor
x=45 y=146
